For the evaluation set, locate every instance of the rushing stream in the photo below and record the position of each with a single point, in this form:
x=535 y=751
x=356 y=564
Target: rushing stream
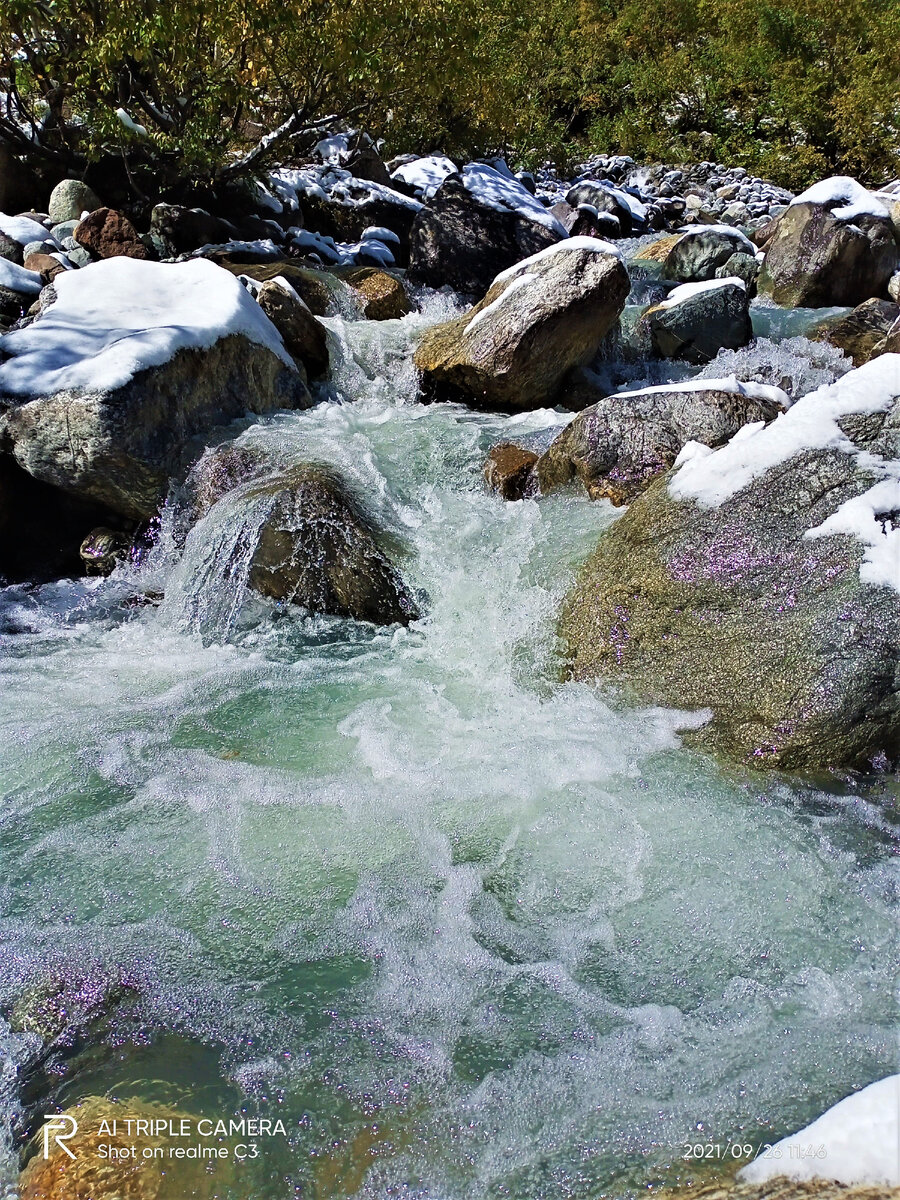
x=469 y=930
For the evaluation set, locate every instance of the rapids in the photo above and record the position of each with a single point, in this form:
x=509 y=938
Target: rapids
x=469 y=930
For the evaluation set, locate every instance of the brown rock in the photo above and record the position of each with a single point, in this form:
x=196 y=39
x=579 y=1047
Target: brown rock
x=383 y=296
x=315 y=288
x=509 y=470
x=863 y=333
x=106 y=233
x=303 y=336
x=658 y=251
x=46 y=266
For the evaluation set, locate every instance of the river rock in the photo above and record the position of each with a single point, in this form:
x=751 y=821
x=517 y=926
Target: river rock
x=834 y=245
x=303 y=336
x=602 y=200
x=479 y=224
x=538 y=320
x=760 y=581
x=697 y=320
x=383 y=296
x=509 y=471
x=315 y=548
x=622 y=442
x=658 y=251
x=103 y=549
x=106 y=233
x=44 y=265
x=103 y=393
x=69 y=199
x=701 y=250
x=11 y=250
x=863 y=333
x=741 y=266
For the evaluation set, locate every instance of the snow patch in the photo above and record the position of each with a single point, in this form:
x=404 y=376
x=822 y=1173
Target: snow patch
x=24 y=230
x=860 y=1137
x=516 y=285
x=16 y=279
x=846 y=199
x=505 y=194
x=130 y=124
x=730 y=384
x=425 y=175
x=115 y=318
x=867 y=518
x=594 y=245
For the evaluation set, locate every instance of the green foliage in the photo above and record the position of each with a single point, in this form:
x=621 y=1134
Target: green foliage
x=792 y=89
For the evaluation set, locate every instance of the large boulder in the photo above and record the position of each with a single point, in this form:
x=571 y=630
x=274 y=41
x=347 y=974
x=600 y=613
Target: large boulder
x=863 y=333
x=106 y=233
x=69 y=199
x=311 y=545
x=834 y=245
x=103 y=393
x=538 y=320
x=701 y=250
x=621 y=443
x=697 y=320
x=480 y=223
x=603 y=200
x=761 y=581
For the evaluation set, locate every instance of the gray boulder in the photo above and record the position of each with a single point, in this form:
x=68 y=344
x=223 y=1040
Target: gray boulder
x=832 y=246
x=105 y=392
x=622 y=442
x=701 y=250
x=479 y=224
x=761 y=581
x=696 y=321
x=602 y=200
x=741 y=266
x=540 y=319
x=69 y=199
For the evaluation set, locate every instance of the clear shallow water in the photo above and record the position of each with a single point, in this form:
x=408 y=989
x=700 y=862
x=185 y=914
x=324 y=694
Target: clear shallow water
x=472 y=931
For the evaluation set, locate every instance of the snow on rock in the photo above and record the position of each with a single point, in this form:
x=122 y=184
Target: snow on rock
x=844 y=197
x=505 y=194
x=130 y=124
x=120 y=316
x=812 y=423
x=425 y=175
x=857 y=1141
x=24 y=230
x=686 y=290
x=730 y=384
x=16 y=279
x=588 y=244
x=728 y=231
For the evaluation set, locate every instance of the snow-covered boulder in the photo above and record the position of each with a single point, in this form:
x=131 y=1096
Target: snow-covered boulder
x=697 y=320
x=619 y=444
x=480 y=222
x=761 y=581
x=855 y=1142
x=422 y=177
x=102 y=394
x=701 y=250
x=539 y=319
x=628 y=210
x=835 y=244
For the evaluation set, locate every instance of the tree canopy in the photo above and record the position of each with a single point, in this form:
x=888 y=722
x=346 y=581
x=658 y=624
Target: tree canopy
x=177 y=89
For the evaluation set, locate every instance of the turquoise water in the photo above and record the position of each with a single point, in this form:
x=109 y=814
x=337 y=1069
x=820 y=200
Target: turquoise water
x=470 y=930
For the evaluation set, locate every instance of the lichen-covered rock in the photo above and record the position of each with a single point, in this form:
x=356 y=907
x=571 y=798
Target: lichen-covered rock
x=622 y=442
x=538 y=320
x=509 y=471
x=314 y=548
x=479 y=223
x=761 y=581
x=105 y=392
x=69 y=199
x=701 y=250
x=697 y=320
x=834 y=245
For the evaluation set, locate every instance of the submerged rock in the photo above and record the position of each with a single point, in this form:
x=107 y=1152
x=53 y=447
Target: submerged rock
x=834 y=245
x=539 y=319
x=762 y=581
x=697 y=320
x=479 y=224
x=314 y=548
x=621 y=443
x=509 y=471
x=105 y=391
